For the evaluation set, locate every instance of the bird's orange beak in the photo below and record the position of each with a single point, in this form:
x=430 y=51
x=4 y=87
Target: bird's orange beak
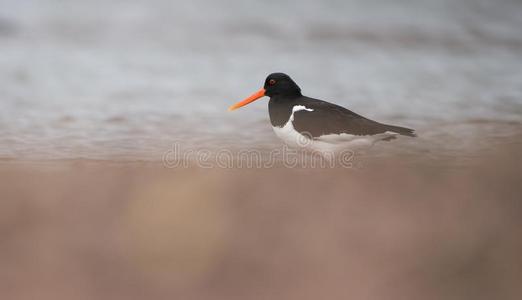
x=254 y=97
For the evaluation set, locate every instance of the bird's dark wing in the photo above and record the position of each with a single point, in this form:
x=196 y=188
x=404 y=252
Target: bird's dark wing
x=327 y=118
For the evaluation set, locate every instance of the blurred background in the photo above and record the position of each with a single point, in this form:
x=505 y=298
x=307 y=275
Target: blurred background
x=93 y=93
x=125 y=79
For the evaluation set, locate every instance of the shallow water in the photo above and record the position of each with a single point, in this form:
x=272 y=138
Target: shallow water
x=123 y=82
x=126 y=80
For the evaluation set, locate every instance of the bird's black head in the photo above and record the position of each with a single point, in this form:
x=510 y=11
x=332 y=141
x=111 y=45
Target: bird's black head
x=281 y=84
x=276 y=84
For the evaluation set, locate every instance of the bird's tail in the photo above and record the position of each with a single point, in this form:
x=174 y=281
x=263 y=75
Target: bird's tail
x=401 y=130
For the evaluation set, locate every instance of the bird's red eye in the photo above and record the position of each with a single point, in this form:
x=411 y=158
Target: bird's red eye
x=272 y=82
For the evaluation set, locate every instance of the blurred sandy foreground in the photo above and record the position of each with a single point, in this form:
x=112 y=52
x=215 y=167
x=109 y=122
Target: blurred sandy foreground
x=106 y=230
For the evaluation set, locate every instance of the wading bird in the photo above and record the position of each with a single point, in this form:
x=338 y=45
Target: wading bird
x=315 y=124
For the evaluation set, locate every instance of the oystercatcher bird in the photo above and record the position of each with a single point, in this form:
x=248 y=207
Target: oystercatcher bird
x=316 y=124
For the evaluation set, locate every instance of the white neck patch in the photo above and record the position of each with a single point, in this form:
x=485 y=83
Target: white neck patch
x=298 y=108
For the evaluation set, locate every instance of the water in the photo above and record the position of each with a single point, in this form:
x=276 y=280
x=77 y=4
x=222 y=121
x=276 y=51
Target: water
x=125 y=80
x=86 y=80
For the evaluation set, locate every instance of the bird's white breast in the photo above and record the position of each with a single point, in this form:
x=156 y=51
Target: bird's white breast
x=288 y=133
